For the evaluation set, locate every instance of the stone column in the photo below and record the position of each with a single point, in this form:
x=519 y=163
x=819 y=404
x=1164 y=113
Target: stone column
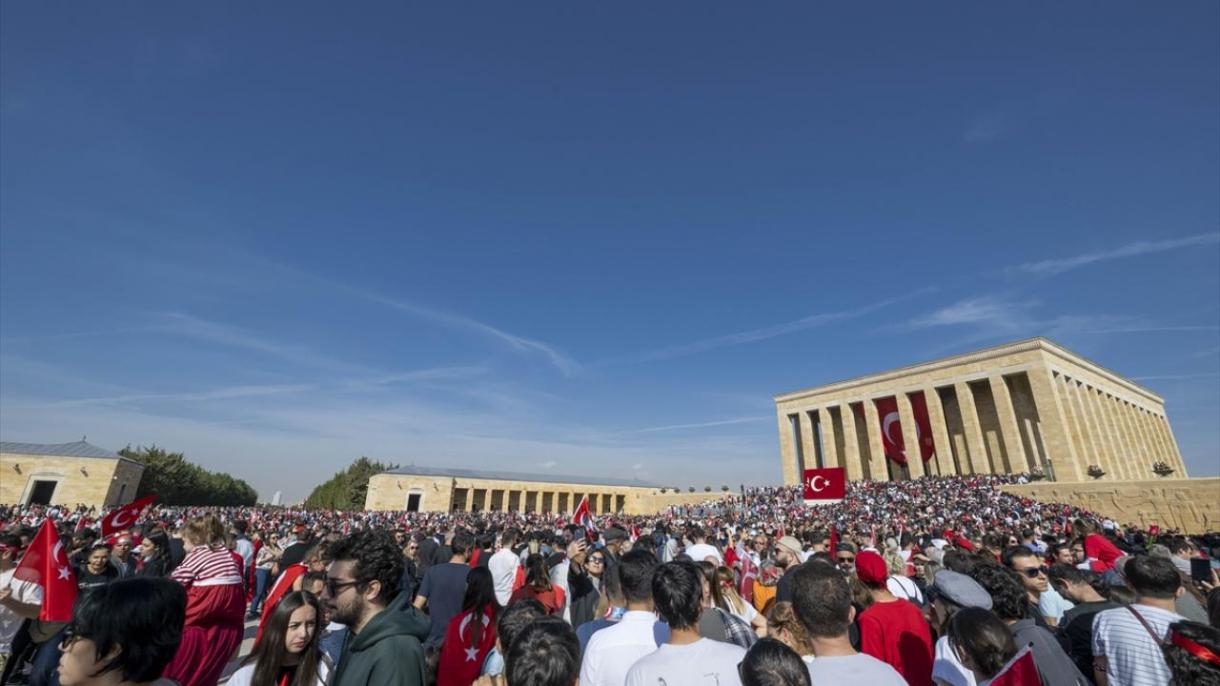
x=1159 y=450
x=872 y=429
x=940 y=432
x=1059 y=447
x=787 y=451
x=1109 y=461
x=830 y=452
x=1175 y=460
x=1089 y=447
x=470 y=499
x=486 y=499
x=807 y=455
x=1066 y=388
x=851 y=444
x=1135 y=420
x=910 y=436
x=1114 y=406
x=1138 y=464
x=1009 y=431
x=972 y=428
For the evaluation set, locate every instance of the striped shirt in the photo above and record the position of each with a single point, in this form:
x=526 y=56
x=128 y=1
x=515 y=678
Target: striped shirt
x=1133 y=657
x=206 y=566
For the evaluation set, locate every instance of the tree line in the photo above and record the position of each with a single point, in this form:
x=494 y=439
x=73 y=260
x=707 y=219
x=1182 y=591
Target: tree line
x=179 y=482
x=347 y=489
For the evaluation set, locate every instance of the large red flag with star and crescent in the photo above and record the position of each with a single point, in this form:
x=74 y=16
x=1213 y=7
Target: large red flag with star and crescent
x=891 y=428
x=45 y=564
x=825 y=486
x=123 y=517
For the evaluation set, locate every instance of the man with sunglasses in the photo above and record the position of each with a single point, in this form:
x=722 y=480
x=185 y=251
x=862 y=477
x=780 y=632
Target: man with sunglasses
x=361 y=592
x=1046 y=606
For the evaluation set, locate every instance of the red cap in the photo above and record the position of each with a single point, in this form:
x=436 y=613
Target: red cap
x=871 y=569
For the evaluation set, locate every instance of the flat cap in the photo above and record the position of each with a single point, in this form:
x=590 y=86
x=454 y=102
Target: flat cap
x=960 y=589
x=614 y=534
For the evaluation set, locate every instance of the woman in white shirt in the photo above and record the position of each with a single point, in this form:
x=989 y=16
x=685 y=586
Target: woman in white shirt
x=288 y=652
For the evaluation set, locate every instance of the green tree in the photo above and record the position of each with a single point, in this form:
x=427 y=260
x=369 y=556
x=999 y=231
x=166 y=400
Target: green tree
x=346 y=490
x=180 y=482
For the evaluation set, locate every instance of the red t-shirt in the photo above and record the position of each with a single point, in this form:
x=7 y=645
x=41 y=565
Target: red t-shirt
x=1102 y=552
x=896 y=633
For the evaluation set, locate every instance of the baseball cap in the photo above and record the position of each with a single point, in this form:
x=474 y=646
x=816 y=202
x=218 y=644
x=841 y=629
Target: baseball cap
x=870 y=568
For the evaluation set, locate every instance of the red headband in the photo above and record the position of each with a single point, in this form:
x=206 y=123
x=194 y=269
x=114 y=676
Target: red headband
x=1194 y=648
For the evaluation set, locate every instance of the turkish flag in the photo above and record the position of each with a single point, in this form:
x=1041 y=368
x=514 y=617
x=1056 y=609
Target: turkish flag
x=582 y=517
x=1019 y=671
x=824 y=486
x=45 y=563
x=462 y=655
x=891 y=430
x=123 y=517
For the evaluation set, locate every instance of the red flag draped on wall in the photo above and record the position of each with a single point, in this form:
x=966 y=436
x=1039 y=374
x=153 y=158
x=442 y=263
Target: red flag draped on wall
x=45 y=563
x=891 y=428
x=923 y=426
x=125 y=516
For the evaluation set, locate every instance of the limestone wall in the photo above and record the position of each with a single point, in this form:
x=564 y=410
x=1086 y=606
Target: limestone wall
x=1191 y=505
x=87 y=480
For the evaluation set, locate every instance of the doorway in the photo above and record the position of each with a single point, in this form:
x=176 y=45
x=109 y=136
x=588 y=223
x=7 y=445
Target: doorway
x=41 y=492
x=413 y=501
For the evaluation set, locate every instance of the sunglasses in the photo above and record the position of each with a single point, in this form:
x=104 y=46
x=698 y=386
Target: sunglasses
x=844 y=558
x=334 y=587
x=1034 y=572
x=598 y=559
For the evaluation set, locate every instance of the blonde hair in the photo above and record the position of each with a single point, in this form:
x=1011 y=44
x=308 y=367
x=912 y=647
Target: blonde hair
x=728 y=591
x=894 y=564
x=781 y=617
x=206 y=530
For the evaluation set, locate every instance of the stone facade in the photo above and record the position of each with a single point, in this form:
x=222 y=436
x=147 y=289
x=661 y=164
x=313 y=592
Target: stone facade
x=1190 y=505
x=459 y=491
x=1029 y=406
x=95 y=481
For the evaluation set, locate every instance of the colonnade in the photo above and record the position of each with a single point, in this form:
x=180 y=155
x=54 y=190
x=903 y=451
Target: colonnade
x=1028 y=419
x=489 y=498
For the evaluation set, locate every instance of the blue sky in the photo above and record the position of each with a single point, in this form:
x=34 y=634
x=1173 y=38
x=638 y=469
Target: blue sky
x=584 y=239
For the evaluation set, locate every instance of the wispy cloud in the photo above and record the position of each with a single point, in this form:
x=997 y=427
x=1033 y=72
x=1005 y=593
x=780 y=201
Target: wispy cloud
x=703 y=425
x=986 y=128
x=992 y=312
x=549 y=464
x=1050 y=267
x=764 y=333
x=198 y=328
x=227 y=393
x=562 y=362
x=522 y=344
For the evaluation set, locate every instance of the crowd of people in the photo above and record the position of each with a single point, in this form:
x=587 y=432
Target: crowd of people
x=938 y=581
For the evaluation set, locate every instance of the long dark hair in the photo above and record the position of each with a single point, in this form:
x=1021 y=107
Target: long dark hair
x=536 y=576
x=480 y=595
x=984 y=637
x=160 y=544
x=270 y=652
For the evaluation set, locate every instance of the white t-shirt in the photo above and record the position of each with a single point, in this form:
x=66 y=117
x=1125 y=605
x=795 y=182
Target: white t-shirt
x=947 y=668
x=1133 y=657
x=503 y=567
x=245 y=675
x=701 y=551
x=613 y=650
x=10 y=622
x=696 y=664
x=854 y=669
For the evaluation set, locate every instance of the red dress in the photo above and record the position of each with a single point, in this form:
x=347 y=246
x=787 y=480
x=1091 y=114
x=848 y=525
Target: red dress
x=215 y=610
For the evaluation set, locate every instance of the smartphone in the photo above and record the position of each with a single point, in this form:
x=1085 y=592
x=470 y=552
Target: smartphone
x=579 y=534
x=1200 y=569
